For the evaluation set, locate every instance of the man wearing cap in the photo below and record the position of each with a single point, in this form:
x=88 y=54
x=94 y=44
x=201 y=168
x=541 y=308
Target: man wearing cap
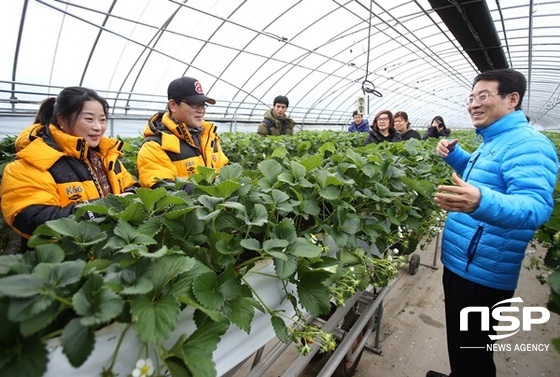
x=177 y=141
x=276 y=122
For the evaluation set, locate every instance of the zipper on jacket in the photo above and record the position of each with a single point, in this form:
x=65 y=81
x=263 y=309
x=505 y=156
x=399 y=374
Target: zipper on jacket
x=471 y=251
x=472 y=161
x=209 y=140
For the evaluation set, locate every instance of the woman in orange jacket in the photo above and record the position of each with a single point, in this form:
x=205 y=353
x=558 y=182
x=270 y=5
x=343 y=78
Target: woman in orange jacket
x=63 y=159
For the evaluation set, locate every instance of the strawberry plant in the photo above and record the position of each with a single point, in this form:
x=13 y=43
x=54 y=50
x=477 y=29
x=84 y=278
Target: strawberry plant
x=149 y=256
x=549 y=235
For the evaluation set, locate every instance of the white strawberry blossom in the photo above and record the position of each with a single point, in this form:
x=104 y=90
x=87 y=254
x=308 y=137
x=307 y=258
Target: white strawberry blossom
x=144 y=368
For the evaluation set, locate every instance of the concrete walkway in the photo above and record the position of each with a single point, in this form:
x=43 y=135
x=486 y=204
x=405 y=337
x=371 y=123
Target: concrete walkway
x=413 y=334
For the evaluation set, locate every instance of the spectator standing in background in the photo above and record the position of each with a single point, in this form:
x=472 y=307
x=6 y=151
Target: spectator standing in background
x=276 y=122
x=358 y=124
x=402 y=125
x=383 y=129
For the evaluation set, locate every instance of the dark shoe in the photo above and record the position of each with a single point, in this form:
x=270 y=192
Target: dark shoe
x=432 y=373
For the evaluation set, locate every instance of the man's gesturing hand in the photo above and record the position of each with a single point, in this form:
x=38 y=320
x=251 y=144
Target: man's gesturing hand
x=460 y=198
x=445 y=146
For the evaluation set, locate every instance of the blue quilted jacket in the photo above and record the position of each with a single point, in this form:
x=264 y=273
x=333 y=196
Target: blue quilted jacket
x=515 y=169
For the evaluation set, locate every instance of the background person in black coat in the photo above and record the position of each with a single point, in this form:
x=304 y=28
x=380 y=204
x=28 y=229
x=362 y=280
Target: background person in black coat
x=437 y=129
x=402 y=125
x=383 y=129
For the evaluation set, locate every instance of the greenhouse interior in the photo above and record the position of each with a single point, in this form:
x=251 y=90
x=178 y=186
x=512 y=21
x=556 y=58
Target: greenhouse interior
x=308 y=254
x=413 y=56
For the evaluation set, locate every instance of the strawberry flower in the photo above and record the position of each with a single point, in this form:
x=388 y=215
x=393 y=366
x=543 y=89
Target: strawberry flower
x=144 y=368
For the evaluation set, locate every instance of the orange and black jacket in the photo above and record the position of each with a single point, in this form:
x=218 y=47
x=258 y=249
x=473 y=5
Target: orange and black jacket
x=169 y=151
x=52 y=174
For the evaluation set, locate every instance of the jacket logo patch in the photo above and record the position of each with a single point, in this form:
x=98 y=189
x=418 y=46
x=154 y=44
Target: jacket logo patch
x=74 y=193
x=74 y=190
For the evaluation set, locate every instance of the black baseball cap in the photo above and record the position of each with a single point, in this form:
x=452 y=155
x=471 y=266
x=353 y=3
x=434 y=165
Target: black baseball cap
x=187 y=89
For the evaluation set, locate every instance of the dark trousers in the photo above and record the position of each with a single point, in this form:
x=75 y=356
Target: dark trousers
x=460 y=293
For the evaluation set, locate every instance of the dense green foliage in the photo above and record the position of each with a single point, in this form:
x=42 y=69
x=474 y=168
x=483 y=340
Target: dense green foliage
x=150 y=255
x=549 y=236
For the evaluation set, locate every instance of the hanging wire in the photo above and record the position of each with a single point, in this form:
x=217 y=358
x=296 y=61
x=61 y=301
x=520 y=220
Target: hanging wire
x=368 y=86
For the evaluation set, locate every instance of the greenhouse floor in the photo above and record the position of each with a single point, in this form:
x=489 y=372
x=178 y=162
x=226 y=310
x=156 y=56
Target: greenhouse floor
x=413 y=329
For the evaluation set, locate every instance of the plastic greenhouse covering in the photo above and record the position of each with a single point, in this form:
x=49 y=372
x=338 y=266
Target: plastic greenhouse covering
x=418 y=56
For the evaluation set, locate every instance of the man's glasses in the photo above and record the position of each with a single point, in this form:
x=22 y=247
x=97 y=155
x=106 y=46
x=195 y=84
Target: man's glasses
x=480 y=97
x=196 y=106
x=383 y=119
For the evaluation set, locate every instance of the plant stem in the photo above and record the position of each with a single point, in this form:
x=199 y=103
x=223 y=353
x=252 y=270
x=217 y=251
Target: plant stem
x=51 y=335
x=64 y=301
x=250 y=261
x=115 y=353
x=259 y=298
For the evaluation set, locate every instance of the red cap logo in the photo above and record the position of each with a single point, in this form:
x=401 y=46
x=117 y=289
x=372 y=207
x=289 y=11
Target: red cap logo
x=198 y=87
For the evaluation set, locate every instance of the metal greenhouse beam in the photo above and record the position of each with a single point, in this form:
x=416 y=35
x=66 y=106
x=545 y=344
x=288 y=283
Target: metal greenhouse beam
x=473 y=27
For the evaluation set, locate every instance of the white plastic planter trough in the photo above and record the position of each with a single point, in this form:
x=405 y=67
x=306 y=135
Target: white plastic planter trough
x=235 y=346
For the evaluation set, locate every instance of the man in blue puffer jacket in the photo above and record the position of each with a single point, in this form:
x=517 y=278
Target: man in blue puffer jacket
x=358 y=124
x=502 y=194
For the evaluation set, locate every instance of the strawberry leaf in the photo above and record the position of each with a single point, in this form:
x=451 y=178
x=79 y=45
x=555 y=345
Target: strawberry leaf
x=280 y=329
x=58 y=275
x=155 y=319
x=312 y=293
x=21 y=285
x=77 y=342
x=206 y=289
x=96 y=303
x=242 y=312
x=198 y=347
x=26 y=357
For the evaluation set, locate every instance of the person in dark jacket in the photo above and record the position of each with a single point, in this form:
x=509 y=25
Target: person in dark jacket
x=358 y=124
x=275 y=121
x=502 y=193
x=383 y=129
x=402 y=125
x=63 y=159
x=437 y=129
